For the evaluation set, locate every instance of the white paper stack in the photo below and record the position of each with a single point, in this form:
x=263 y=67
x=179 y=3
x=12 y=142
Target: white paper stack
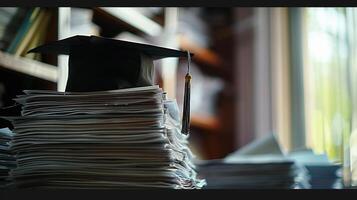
x=258 y=165
x=128 y=138
x=7 y=160
x=251 y=173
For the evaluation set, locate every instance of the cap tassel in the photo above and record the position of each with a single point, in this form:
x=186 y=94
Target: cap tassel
x=186 y=103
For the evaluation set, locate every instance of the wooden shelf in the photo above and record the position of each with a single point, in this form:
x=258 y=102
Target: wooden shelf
x=207 y=60
x=29 y=67
x=202 y=54
x=115 y=19
x=204 y=122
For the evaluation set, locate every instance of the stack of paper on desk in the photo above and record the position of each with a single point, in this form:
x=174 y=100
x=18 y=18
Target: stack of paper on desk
x=125 y=138
x=7 y=160
x=259 y=165
x=250 y=173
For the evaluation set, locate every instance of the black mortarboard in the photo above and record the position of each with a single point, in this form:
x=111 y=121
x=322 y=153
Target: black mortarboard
x=97 y=63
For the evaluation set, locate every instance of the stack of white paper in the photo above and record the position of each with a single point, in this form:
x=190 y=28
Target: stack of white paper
x=258 y=165
x=251 y=173
x=125 y=138
x=7 y=160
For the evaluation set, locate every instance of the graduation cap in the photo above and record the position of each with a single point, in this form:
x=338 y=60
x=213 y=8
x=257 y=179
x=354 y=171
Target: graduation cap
x=98 y=63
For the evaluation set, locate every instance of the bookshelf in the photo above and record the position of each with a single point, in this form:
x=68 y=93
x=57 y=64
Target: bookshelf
x=25 y=29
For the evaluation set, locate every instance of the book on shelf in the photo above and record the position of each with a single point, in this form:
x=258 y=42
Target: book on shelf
x=11 y=19
x=31 y=33
x=23 y=29
x=35 y=35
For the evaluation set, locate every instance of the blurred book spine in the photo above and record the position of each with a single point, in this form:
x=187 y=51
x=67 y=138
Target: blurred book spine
x=35 y=36
x=30 y=32
x=10 y=21
x=21 y=31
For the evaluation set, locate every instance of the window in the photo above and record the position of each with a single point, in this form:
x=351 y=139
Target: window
x=329 y=85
